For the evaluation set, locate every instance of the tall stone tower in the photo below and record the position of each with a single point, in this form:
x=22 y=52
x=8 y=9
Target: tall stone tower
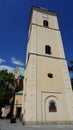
x=47 y=94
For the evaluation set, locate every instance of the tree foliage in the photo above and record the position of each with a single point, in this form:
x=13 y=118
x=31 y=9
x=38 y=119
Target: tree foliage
x=71 y=70
x=6 y=78
x=8 y=86
x=7 y=81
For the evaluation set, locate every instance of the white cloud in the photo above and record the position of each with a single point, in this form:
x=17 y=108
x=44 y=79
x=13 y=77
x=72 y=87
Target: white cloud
x=9 y=68
x=17 y=62
x=1 y=60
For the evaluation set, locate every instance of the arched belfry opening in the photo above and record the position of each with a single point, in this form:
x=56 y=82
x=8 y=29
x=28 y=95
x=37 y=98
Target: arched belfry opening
x=48 y=49
x=45 y=23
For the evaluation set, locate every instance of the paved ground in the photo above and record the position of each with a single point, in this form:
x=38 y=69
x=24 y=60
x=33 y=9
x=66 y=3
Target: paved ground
x=6 y=125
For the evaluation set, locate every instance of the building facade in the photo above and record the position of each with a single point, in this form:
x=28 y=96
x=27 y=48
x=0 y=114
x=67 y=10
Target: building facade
x=47 y=94
x=18 y=104
x=19 y=76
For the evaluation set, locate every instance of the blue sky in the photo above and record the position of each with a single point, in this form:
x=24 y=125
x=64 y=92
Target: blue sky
x=14 y=16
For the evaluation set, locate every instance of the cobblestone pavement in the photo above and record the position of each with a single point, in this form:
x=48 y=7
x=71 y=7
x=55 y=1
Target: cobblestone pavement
x=6 y=125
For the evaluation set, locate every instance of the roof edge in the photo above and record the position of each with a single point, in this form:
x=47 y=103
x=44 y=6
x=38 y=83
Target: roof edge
x=44 y=9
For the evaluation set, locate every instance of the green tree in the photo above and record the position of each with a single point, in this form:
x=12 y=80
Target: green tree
x=71 y=71
x=7 y=84
x=6 y=78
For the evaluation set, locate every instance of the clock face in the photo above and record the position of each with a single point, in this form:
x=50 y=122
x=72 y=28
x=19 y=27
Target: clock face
x=45 y=16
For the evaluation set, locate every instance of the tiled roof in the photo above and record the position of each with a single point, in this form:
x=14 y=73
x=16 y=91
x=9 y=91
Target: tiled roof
x=21 y=71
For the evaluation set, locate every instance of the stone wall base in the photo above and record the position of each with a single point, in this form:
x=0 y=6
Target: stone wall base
x=49 y=123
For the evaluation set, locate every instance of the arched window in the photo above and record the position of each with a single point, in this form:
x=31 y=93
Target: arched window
x=52 y=106
x=47 y=49
x=45 y=23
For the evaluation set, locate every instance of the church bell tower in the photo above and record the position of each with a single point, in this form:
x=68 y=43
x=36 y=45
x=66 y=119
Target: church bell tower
x=47 y=97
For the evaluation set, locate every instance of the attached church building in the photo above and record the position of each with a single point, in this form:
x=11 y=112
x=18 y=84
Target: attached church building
x=47 y=94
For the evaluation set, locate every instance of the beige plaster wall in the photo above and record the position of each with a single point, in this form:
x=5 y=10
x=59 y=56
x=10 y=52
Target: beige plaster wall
x=50 y=86
x=17 y=103
x=37 y=18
